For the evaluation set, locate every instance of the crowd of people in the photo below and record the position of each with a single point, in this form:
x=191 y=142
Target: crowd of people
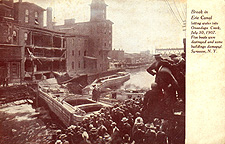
x=124 y=123
x=169 y=78
x=148 y=120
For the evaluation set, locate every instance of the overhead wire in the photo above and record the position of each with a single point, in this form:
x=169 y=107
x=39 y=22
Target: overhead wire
x=178 y=11
x=183 y=10
x=173 y=12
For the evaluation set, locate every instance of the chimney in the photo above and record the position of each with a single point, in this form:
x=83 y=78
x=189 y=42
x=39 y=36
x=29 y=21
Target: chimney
x=49 y=18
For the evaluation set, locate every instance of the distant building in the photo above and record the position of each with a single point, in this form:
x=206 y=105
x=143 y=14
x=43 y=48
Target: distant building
x=147 y=52
x=117 y=55
x=98 y=38
x=77 y=48
x=138 y=58
x=28 y=14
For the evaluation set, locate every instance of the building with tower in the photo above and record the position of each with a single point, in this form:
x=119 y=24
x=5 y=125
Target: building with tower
x=97 y=37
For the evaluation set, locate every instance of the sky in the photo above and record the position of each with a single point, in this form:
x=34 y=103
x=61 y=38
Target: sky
x=139 y=25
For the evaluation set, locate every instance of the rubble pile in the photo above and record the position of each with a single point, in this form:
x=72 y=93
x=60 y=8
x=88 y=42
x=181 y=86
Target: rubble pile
x=15 y=93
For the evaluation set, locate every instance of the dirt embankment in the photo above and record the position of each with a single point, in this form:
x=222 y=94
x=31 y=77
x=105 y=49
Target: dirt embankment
x=15 y=93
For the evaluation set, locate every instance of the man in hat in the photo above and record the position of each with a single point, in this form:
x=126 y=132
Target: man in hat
x=138 y=130
x=93 y=134
x=125 y=126
x=151 y=101
x=150 y=134
x=153 y=69
x=161 y=70
x=178 y=70
x=95 y=93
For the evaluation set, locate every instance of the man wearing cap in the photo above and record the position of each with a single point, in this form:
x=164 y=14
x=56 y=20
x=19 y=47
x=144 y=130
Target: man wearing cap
x=178 y=70
x=154 y=68
x=152 y=101
x=161 y=69
x=95 y=93
x=125 y=127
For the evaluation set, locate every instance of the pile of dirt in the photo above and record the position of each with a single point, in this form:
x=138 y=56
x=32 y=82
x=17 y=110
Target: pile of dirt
x=15 y=93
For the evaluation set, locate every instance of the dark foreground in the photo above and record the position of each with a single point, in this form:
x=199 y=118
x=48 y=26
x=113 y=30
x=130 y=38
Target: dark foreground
x=127 y=122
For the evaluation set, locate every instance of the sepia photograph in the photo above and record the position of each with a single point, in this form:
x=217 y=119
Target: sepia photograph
x=93 y=71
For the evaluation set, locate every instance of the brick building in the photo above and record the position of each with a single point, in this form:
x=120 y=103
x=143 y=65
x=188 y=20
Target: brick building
x=32 y=50
x=10 y=51
x=97 y=36
x=117 y=55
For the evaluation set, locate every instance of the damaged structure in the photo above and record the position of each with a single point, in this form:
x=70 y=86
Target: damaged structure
x=29 y=50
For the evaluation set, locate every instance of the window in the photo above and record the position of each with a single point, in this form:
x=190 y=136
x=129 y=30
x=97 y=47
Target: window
x=110 y=43
x=79 y=52
x=26 y=12
x=26 y=16
x=73 y=42
x=25 y=36
x=72 y=65
x=14 y=36
x=84 y=64
x=36 y=18
x=26 y=19
x=72 y=52
x=36 y=14
x=85 y=53
x=79 y=64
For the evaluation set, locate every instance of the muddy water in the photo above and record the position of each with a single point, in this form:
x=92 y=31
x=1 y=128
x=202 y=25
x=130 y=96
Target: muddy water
x=21 y=123
x=139 y=79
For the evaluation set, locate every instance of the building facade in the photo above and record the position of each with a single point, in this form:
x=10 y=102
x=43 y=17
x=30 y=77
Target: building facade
x=10 y=51
x=98 y=38
x=33 y=51
x=117 y=55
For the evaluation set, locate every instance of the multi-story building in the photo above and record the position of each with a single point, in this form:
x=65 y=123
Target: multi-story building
x=10 y=51
x=117 y=55
x=30 y=50
x=97 y=36
x=43 y=50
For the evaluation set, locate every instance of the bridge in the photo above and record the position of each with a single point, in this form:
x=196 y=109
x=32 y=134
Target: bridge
x=169 y=51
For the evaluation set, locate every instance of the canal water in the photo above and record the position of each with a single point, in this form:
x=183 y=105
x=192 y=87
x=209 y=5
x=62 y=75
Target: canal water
x=21 y=122
x=139 y=79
